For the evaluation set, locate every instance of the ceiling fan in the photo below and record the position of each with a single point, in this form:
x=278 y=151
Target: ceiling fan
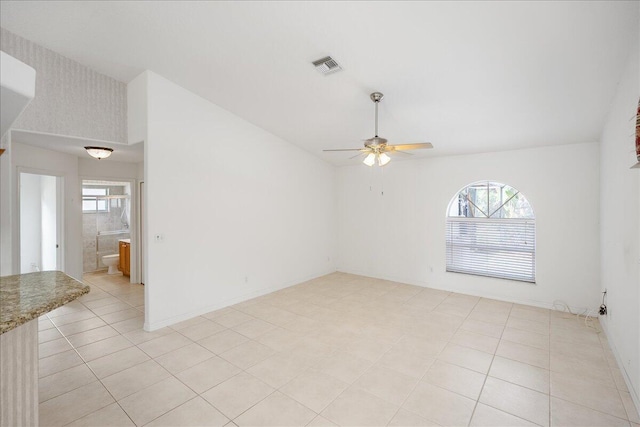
x=376 y=148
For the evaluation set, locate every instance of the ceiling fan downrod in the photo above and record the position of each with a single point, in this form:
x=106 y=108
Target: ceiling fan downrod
x=376 y=97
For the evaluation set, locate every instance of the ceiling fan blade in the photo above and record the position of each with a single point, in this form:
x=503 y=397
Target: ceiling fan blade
x=403 y=152
x=348 y=149
x=415 y=146
x=357 y=155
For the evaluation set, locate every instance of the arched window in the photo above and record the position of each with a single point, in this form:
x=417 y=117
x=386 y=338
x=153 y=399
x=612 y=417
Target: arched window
x=491 y=231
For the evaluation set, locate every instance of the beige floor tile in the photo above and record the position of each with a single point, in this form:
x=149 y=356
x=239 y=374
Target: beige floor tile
x=58 y=362
x=387 y=384
x=106 y=301
x=406 y=362
x=222 y=312
x=189 y=322
x=223 y=341
x=102 y=348
x=134 y=379
x=76 y=404
x=531 y=339
x=81 y=326
x=566 y=414
x=50 y=348
x=254 y=328
x=140 y=336
x=455 y=378
x=516 y=400
x=330 y=332
x=73 y=317
x=156 y=400
x=489 y=316
x=207 y=374
x=345 y=366
x=486 y=416
x=466 y=357
x=247 y=354
x=526 y=313
x=582 y=368
x=520 y=373
x=632 y=411
x=109 y=416
x=278 y=369
x=528 y=325
x=111 y=308
x=476 y=341
x=279 y=339
x=232 y=318
x=194 y=413
x=201 y=330
x=237 y=394
x=133 y=324
x=321 y=421
x=439 y=405
x=356 y=407
x=118 y=361
x=184 y=358
x=276 y=410
x=48 y=335
x=91 y=336
x=64 y=381
x=425 y=348
x=587 y=393
x=524 y=353
x=314 y=389
x=369 y=348
x=166 y=343
x=44 y=323
x=404 y=418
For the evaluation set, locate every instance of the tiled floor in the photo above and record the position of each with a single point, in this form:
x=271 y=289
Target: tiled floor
x=338 y=350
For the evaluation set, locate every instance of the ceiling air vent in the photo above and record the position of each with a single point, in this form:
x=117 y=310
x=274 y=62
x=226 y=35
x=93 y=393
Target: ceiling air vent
x=327 y=65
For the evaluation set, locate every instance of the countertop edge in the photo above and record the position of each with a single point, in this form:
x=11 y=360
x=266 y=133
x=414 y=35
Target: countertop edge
x=59 y=301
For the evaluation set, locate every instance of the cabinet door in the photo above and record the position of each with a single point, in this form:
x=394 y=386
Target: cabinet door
x=127 y=256
x=121 y=259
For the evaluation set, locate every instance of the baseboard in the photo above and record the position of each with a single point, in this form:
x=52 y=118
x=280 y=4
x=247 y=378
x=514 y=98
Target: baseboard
x=149 y=327
x=627 y=380
x=523 y=301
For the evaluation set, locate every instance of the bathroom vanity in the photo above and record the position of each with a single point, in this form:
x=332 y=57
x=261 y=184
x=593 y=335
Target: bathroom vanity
x=23 y=298
x=125 y=256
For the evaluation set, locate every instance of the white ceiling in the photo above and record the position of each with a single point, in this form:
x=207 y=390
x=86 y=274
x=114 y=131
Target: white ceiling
x=466 y=76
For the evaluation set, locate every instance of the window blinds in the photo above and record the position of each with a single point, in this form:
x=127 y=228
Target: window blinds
x=502 y=248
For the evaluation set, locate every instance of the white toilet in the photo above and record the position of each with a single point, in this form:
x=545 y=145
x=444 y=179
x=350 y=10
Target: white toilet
x=111 y=261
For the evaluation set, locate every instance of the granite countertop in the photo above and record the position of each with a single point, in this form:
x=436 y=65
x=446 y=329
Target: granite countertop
x=24 y=297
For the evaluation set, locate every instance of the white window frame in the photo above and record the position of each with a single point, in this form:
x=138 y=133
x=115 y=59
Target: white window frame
x=503 y=248
x=97 y=198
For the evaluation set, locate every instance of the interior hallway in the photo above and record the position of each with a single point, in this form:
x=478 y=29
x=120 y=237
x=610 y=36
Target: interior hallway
x=337 y=350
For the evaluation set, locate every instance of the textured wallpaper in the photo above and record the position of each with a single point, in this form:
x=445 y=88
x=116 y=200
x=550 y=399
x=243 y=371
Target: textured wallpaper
x=71 y=99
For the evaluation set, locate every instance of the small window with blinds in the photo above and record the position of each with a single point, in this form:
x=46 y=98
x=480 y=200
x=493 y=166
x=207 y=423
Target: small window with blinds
x=491 y=231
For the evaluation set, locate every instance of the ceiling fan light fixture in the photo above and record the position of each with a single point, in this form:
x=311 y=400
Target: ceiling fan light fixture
x=383 y=159
x=99 y=152
x=370 y=160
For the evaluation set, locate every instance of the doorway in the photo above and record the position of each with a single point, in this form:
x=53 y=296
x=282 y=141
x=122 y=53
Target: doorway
x=40 y=222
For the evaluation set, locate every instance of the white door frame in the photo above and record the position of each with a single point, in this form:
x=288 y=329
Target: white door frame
x=133 y=216
x=60 y=230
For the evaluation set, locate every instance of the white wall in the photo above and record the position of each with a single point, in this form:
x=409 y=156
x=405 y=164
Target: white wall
x=36 y=160
x=31 y=223
x=620 y=226
x=401 y=235
x=49 y=221
x=240 y=211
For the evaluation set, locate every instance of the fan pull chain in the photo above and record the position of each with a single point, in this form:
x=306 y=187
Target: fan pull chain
x=382 y=182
